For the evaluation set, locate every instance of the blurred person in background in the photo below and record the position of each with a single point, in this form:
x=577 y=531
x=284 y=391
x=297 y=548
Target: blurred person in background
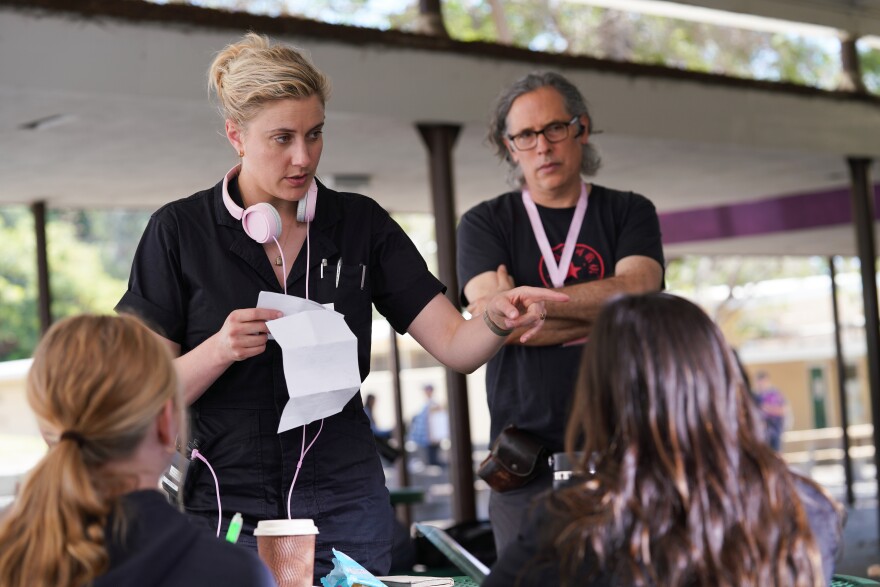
x=430 y=427
x=774 y=409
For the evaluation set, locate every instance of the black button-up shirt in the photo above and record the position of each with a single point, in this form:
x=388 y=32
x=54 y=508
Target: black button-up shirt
x=194 y=266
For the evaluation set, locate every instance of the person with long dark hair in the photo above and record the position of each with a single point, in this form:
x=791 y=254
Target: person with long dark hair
x=675 y=485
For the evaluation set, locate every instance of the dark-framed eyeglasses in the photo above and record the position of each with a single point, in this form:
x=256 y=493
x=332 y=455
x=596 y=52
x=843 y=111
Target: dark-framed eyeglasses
x=553 y=132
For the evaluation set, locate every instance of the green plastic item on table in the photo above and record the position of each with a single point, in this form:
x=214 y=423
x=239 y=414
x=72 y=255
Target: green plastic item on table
x=849 y=581
x=234 y=530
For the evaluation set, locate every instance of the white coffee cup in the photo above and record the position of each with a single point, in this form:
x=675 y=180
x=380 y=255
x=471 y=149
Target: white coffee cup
x=302 y=527
x=288 y=549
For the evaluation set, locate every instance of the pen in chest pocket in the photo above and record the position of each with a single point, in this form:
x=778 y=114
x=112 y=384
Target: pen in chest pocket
x=362 y=266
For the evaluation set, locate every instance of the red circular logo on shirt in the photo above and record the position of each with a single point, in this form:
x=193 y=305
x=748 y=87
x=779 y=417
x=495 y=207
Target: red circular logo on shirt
x=586 y=265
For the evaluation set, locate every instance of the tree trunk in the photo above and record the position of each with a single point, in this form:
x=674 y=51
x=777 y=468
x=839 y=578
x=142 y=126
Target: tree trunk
x=430 y=19
x=500 y=19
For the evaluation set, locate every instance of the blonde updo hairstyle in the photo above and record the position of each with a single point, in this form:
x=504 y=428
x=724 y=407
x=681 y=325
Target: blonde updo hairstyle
x=96 y=386
x=246 y=75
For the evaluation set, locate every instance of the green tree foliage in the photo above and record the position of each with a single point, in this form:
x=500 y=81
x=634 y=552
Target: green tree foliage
x=19 y=322
x=89 y=254
x=78 y=279
x=730 y=281
x=114 y=233
x=870 y=59
x=574 y=27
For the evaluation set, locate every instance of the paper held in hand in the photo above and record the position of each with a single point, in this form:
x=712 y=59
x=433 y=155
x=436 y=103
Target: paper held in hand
x=320 y=358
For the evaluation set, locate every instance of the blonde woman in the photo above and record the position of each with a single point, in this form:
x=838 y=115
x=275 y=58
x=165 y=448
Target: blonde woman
x=201 y=265
x=107 y=401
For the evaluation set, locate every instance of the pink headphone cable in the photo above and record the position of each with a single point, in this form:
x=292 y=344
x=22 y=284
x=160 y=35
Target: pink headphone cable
x=197 y=455
x=302 y=455
x=308 y=259
x=238 y=214
x=303 y=449
x=284 y=262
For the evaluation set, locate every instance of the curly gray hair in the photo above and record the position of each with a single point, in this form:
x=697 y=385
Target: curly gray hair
x=574 y=103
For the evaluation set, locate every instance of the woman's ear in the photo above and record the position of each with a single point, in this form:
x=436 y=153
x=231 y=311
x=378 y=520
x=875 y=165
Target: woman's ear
x=235 y=135
x=166 y=425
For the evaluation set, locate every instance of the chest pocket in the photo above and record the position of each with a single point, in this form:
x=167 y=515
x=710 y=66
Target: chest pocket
x=350 y=294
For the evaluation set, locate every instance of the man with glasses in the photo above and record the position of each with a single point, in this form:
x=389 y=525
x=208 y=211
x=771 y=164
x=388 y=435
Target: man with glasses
x=555 y=231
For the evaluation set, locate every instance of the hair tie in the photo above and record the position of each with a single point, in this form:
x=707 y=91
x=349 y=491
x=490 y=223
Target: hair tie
x=72 y=435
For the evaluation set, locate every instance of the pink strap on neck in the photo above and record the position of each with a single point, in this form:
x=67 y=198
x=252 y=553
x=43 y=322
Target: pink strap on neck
x=558 y=272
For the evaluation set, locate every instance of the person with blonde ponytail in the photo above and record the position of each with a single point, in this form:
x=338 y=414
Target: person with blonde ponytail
x=270 y=225
x=107 y=401
x=675 y=485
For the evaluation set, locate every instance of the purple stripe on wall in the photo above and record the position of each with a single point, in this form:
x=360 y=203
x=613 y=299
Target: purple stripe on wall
x=779 y=214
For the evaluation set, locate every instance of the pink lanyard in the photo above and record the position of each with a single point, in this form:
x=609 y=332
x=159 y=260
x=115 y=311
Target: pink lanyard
x=559 y=272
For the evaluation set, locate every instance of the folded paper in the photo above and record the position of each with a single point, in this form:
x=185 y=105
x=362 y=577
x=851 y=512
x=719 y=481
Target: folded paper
x=319 y=352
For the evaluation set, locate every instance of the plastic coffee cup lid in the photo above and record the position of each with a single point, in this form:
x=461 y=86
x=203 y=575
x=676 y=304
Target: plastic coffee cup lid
x=285 y=528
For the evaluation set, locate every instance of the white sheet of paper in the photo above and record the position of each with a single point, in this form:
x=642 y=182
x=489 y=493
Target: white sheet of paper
x=307 y=409
x=320 y=364
x=289 y=305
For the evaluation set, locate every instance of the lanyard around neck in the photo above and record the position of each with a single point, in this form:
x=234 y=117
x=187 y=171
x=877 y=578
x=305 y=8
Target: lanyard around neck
x=559 y=272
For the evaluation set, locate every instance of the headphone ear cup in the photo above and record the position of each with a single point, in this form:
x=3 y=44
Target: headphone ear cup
x=305 y=209
x=261 y=222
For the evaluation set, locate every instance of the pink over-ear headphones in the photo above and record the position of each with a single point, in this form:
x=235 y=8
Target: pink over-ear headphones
x=261 y=221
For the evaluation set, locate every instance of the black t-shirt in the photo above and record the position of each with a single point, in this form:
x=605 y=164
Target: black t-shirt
x=531 y=386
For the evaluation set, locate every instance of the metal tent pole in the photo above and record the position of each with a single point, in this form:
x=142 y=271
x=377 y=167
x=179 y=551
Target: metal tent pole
x=440 y=140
